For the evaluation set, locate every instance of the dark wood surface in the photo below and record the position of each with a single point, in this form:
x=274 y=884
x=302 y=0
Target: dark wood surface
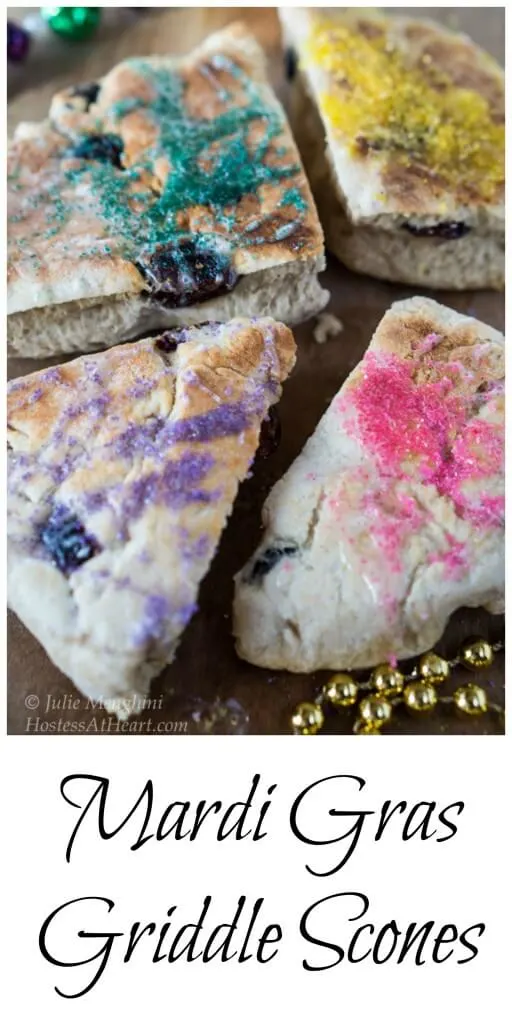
x=208 y=689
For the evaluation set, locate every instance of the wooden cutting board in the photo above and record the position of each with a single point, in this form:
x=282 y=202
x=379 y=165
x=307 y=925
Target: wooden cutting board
x=208 y=689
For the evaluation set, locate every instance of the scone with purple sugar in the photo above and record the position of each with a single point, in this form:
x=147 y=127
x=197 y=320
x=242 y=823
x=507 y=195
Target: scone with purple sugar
x=392 y=517
x=123 y=468
x=168 y=192
x=401 y=124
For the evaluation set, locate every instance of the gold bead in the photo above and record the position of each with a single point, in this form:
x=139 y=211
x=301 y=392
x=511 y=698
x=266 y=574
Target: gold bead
x=362 y=728
x=375 y=710
x=433 y=668
x=387 y=680
x=420 y=697
x=477 y=653
x=471 y=699
x=307 y=719
x=340 y=690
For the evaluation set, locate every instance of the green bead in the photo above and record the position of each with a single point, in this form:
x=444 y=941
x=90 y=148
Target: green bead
x=74 y=23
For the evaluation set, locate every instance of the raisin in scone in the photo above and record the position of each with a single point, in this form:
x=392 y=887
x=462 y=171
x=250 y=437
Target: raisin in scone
x=171 y=191
x=123 y=468
x=401 y=126
x=393 y=515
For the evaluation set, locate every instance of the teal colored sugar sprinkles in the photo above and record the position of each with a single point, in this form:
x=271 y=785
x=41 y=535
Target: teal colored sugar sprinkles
x=294 y=197
x=141 y=219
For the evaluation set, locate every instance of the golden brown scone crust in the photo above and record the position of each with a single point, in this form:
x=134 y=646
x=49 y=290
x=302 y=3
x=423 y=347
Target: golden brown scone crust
x=402 y=331
x=163 y=166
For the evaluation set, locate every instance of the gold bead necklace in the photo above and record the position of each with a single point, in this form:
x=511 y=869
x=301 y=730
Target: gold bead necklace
x=387 y=688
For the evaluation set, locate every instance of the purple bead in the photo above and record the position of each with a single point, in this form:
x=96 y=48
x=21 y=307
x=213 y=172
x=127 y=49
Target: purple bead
x=17 y=42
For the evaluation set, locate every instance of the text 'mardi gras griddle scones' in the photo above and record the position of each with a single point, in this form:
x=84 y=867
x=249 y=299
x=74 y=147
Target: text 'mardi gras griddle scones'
x=402 y=129
x=169 y=192
x=393 y=515
x=123 y=469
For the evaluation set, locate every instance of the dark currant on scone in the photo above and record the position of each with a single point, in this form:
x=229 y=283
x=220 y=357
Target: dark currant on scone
x=169 y=340
x=107 y=149
x=66 y=540
x=188 y=270
x=448 y=230
x=87 y=92
x=268 y=560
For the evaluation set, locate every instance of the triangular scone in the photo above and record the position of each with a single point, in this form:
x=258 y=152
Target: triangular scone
x=168 y=192
x=401 y=125
x=123 y=469
x=393 y=515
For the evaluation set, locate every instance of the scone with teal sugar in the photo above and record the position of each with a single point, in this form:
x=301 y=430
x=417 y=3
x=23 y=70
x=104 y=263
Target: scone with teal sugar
x=170 y=191
x=123 y=468
x=401 y=125
x=393 y=515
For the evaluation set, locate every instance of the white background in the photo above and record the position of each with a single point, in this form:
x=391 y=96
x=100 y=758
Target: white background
x=462 y=881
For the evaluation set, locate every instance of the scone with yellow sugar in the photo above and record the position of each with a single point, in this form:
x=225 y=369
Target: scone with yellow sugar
x=401 y=127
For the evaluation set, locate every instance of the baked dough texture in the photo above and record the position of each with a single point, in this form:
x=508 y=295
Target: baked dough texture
x=392 y=517
x=123 y=468
x=401 y=125
x=171 y=191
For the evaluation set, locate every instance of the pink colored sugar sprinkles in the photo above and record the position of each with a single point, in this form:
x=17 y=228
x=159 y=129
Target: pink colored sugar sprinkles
x=454 y=561
x=430 y=434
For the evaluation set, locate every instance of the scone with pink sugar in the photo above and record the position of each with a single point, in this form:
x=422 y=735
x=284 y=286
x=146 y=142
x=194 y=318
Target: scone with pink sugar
x=392 y=517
